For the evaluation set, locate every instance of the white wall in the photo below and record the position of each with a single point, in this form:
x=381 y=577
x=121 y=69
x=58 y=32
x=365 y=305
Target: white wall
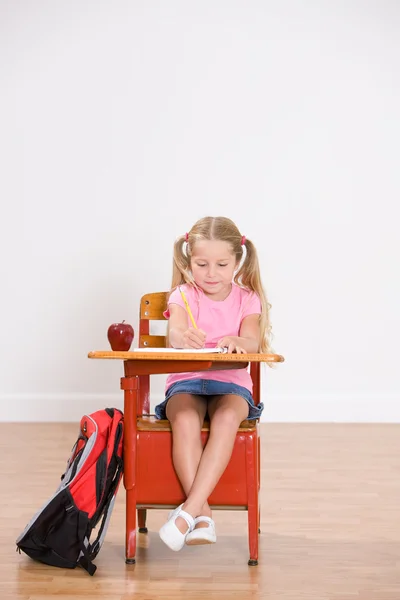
x=123 y=122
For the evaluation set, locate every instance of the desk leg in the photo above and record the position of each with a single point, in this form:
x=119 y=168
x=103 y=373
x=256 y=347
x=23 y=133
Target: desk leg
x=130 y=385
x=253 y=496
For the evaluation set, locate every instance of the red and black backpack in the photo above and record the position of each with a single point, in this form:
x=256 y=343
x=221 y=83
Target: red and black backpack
x=59 y=534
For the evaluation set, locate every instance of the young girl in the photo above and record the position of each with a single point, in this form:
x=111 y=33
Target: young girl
x=230 y=309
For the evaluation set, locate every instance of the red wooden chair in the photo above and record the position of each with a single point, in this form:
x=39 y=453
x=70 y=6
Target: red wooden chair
x=150 y=480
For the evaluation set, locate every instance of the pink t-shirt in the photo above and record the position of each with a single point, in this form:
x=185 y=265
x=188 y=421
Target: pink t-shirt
x=217 y=319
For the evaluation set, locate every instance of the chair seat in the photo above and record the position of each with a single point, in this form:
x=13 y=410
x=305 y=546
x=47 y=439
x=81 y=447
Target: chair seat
x=156 y=482
x=151 y=423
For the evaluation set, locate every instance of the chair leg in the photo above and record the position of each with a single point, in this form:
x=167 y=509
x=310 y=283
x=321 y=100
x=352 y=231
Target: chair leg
x=253 y=535
x=142 y=514
x=130 y=541
x=253 y=498
x=259 y=480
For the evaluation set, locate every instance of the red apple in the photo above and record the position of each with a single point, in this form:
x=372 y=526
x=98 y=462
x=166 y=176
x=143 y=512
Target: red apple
x=120 y=336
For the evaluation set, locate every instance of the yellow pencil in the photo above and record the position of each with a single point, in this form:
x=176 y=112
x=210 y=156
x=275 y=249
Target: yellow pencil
x=188 y=307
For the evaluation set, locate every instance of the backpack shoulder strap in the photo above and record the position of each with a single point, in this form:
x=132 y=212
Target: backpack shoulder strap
x=95 y=546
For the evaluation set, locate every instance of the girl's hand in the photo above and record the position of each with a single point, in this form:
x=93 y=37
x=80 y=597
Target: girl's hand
x=194 y=338
x=232 y=344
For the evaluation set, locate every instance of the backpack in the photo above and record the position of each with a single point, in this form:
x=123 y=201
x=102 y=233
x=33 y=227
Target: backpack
x=59 y=534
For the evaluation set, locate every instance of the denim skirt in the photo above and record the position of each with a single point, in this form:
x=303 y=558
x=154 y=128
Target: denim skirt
x=208 y=387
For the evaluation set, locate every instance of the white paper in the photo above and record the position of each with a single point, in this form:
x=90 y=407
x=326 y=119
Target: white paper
x=185 y=350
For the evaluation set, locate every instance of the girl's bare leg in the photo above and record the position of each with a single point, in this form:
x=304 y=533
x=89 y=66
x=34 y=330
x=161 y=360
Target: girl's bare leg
x=226 y=413
x=186 y=414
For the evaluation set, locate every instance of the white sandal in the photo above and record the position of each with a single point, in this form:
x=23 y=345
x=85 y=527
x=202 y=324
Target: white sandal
x=170 y=534
x=174 y=511
x=202 y=535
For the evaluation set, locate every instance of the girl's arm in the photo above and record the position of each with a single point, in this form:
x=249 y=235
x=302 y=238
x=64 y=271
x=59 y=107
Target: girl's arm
x=179 y=334
x=248 y=340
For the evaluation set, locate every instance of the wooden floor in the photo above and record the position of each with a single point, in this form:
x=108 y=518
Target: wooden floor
x=330 y=524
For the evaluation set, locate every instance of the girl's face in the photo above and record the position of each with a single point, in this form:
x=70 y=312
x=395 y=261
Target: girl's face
x=213 y=264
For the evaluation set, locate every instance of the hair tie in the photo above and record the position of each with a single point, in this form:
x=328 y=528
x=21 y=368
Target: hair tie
x=243 y=240
x=186 y=237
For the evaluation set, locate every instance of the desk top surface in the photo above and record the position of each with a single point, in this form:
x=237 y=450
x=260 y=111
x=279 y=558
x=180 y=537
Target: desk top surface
x=186 y=356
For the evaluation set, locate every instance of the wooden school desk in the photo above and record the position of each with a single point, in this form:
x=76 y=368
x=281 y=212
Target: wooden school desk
x=138 y=365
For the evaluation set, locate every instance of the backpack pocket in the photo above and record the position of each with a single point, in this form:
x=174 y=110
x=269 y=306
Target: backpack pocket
x=59 y=535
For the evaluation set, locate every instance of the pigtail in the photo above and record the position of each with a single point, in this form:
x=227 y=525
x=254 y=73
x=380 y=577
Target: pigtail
x=249 y=277
x=181 y=264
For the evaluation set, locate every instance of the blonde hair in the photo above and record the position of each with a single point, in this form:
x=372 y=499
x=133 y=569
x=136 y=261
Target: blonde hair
x=248 y=276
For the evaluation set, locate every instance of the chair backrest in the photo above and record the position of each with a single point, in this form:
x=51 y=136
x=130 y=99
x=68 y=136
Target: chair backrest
x=152 y=307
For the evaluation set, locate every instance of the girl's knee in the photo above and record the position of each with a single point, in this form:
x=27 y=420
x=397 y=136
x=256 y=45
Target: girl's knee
x=186 y=423
x=228 y=417
x=229 y=411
